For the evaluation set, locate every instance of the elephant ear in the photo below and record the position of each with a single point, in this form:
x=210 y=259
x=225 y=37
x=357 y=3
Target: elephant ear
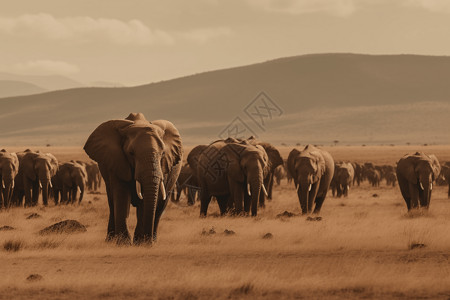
x=194 y=155
x=407 y=168
x=173 y=149
x=235 y=153
x=291 y=164
x=104 y=145
x=320 y=163
x=53 y=162
x=435 y=166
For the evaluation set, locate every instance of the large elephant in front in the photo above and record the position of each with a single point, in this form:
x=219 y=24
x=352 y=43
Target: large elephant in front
x=35 y=172
x=9 y=166
x=416 y=174
x=342 y=179
x=233 y=172
x=312 y=170
x=140 y=162
x=70 y=178
x=275 y=160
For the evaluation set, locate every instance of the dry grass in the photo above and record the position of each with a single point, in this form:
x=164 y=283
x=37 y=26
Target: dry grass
x=362 y=248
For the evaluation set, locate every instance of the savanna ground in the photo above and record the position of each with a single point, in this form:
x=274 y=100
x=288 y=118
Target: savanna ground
x=360 y=249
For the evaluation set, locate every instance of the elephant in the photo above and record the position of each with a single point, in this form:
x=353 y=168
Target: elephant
x=35 y=172
x=391 y=178
x=233 y=172
x=70 y=177
x=9 y=167
x=416 y=174
x=94 y=178
x=140 y=162
x=279 y=173
x=358 y=178
x=312 y=170
x=342 y=179
x=186 y=182
x=275 y=160
x=373 y=176
x=446 y=176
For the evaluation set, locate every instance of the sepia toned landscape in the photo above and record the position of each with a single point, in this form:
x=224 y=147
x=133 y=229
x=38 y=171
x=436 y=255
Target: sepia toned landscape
x=362 y=248
x=216 y=149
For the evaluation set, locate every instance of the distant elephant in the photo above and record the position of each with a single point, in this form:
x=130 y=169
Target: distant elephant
x=312 y=170
x=140 y=162
x=275 y=160
x=342 y=179
x=373 y=176
x=186 y=182
x=416 y=173
x=70 y=178
x=232 y=171
x=35 y=172
x=391 y=178
x=94 y=178
x=279 y=173
x=192 y=160
x=9 y=166
x=358 y=178
x=446 y=176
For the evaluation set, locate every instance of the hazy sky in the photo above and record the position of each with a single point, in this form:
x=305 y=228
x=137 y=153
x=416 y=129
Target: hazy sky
x=142 y=41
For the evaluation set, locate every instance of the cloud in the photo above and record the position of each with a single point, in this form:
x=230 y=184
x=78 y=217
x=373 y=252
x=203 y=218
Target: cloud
x=202 y=35
x=339 y=8
x=84 y=29
x=431 y=5
x=45 y=67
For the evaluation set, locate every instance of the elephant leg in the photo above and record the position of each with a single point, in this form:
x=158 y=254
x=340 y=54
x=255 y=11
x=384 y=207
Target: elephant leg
x=270 y=186
x=223 y=204
x=205 y=199
x=448 y=195
x=319 y=201
x=191 y=196
x=262 y=200
x=27 y=192
x=2 y=198
x=121 y=202
x=35 y=193
x=404 y=189
x=237 y=196
x=414 y=193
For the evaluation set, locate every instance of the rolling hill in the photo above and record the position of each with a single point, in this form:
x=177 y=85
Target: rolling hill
x=318 y=98
x=47 y=82
x=11 y=88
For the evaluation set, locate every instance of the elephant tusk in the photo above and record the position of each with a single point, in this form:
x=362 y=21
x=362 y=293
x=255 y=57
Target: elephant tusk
x=421 y=185
x=12 y=185
x=138 y=190
x=163 y=190
x=264 y=190
x=3 y=184
x=431 y=186
x=50 y=184
x=40 y=184
x=248 y=189
x=309 y=188
x=78 y=188
x=348 y=187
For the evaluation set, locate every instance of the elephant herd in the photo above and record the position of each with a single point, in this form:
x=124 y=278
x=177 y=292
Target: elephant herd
x=27 y=175
x=142 y=163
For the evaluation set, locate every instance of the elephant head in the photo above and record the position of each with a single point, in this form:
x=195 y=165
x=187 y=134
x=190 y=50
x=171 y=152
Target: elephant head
x=249 y=164
x=143 y=153
x=9 y=167
x=416 y=174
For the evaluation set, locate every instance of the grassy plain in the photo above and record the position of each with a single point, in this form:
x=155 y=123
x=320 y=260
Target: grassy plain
x=360 y=249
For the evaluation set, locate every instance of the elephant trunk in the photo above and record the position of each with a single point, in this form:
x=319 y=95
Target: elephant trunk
x=150 y=185
x=425 y=189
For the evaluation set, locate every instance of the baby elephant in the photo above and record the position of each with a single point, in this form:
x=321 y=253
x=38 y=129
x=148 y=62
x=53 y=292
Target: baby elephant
x=69 y=179
x=415 y=174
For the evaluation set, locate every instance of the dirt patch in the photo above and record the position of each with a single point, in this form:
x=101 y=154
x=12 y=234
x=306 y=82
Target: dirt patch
x=6 y=228
x=267 y=236
x=34 y=216
x=286 y=214
x=34 y=277
x=211 y=231
x=229 y=232
x=66 y=226
x=314 y=219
